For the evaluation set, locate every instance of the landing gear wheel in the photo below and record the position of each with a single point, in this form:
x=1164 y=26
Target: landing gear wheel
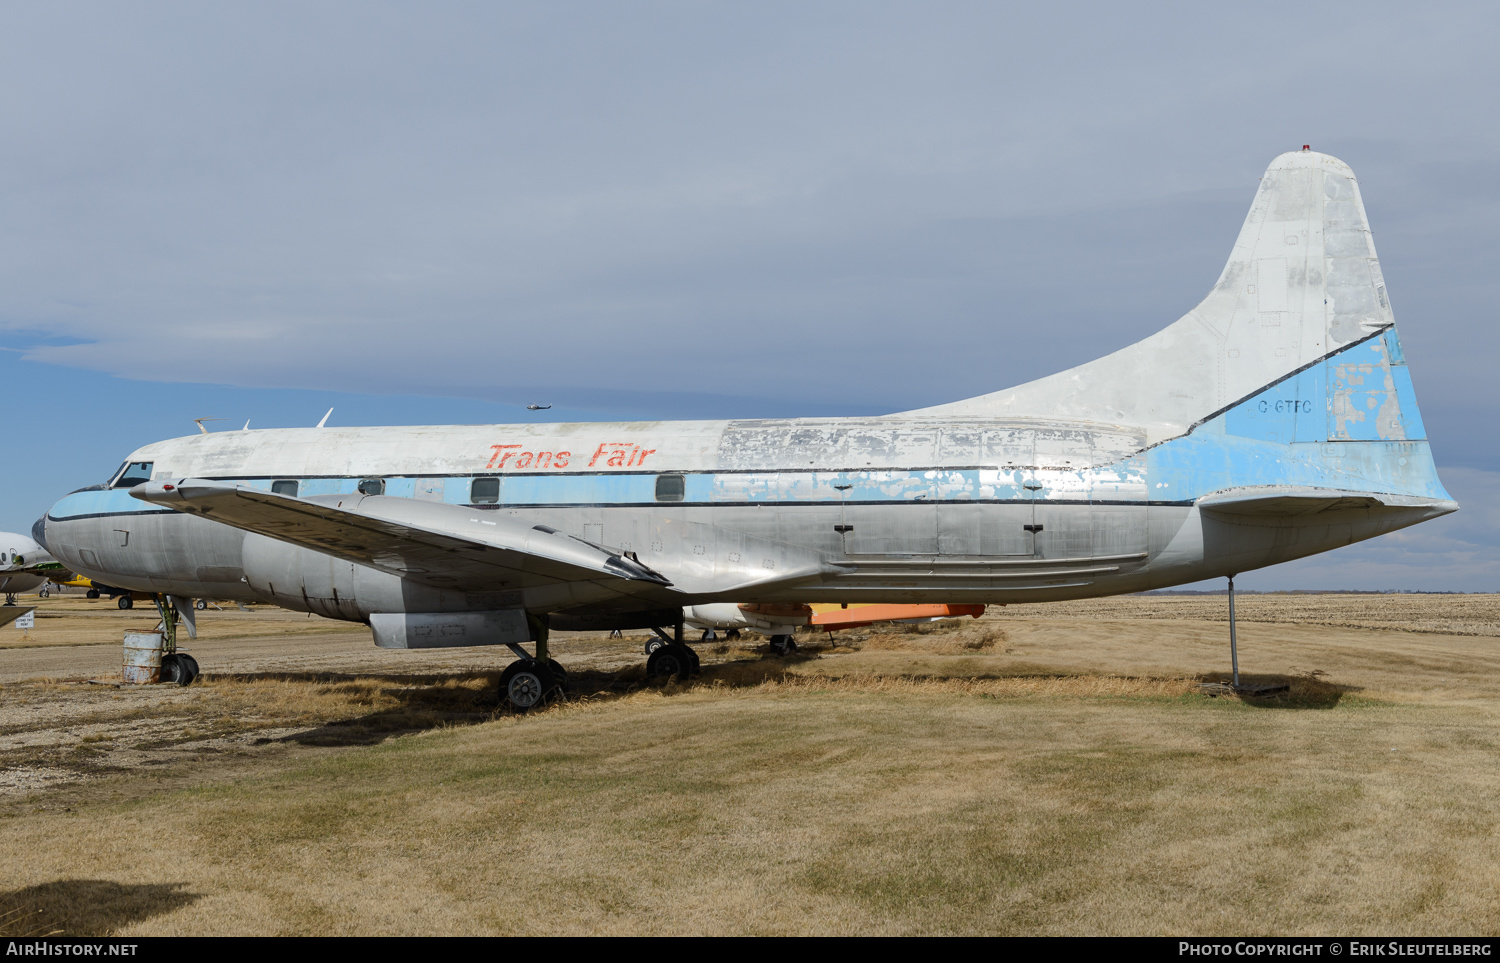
x=670 y=660
x=178 y=668
x=783 y=644
x=126 y=602
x=652 y=644
x=692 y=655
x=91 y=594
x=559 y=675
x=200 y=604
x=527 y=684
x=44 y=593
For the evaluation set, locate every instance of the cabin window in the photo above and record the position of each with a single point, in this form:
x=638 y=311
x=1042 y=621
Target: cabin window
x=285 y=487
x=484 y=491
x=670 y=488
x=135 y=473
x=372 y=486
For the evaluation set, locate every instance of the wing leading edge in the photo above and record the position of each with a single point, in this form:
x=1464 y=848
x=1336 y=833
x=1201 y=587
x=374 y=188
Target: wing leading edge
x=445 y=546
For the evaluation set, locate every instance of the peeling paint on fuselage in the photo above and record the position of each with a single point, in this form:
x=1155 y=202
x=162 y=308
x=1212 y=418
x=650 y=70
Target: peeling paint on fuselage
x=969 y=491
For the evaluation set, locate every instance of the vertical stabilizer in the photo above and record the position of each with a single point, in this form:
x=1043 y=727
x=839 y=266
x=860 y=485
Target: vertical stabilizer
x=1302 y=281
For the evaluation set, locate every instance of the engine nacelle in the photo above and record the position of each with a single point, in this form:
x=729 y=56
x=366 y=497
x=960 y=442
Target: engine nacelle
x=307 y=581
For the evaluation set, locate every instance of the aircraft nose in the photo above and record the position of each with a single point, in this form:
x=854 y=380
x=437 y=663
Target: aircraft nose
x=39 y=533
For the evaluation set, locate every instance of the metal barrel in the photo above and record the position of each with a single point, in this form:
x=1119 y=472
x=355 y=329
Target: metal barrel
x=142 y=658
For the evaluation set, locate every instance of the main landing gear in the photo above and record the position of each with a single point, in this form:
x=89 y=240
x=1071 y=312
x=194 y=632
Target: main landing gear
x=532 y=681
x=126 y=602
x=10 y=598
x=669 y=656
x=783 y=644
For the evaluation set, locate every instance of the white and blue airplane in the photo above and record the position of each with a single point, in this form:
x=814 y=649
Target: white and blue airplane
x=1274 y=420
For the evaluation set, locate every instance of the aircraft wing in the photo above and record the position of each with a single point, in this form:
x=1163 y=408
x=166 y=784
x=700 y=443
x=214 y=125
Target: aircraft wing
x=1287 y=501
x=488 y=553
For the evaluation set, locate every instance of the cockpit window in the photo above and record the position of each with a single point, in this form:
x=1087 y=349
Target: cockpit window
x=135 y=473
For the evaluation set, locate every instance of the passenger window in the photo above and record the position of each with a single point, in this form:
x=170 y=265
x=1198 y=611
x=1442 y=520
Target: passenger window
x=670 y=488
x=372 y=486
x=484 y=491
x=135 y=473
x=288 y=487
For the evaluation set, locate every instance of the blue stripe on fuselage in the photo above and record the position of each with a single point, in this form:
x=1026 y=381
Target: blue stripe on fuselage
x=1348 y=422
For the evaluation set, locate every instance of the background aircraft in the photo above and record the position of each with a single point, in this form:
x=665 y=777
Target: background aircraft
x=25 y=566
x=784 y=619
x=1274 y=420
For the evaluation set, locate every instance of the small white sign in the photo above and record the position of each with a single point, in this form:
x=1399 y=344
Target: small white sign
x=27 y=621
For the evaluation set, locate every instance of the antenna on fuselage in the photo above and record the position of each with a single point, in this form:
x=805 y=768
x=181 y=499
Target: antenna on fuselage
x=199 y=422
x=321 y=423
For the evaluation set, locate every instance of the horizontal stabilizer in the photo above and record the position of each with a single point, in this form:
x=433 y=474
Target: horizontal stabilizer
x=1287 y=501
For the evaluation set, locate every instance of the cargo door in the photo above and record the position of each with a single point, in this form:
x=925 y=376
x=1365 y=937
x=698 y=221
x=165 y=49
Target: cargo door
x=891 y=508
x=1058 y=485
x=1118 y=493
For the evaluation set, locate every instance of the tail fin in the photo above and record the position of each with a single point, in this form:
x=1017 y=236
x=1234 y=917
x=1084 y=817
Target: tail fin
x=1302 y=282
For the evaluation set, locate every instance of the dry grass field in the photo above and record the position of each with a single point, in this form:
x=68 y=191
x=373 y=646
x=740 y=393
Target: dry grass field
x=1046 y=769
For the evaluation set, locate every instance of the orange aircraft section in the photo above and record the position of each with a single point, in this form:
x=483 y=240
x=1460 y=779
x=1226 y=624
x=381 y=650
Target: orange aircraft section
x=832 y=617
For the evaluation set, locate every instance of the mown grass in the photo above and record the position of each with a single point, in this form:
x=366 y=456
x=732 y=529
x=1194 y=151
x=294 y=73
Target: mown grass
x=994 y=777
x=823 y=806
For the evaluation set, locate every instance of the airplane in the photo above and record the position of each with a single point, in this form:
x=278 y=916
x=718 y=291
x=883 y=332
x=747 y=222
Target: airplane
x=781 y=620
x=24 y=566
x=125 y=598
x=1274 y=420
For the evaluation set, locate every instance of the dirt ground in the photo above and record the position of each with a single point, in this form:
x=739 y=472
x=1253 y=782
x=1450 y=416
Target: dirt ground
x=968 y=750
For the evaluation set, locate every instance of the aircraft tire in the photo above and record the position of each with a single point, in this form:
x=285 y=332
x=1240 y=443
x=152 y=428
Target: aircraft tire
x=666 y=662
x=783 y=644
x=693 y=660
x=91 y=594
x=191 y=665
x=126 y=602
x=200 y=604
x=526 y=684
x=652 y=644
x=173 y=671
x=44 y=593
x=559 y=674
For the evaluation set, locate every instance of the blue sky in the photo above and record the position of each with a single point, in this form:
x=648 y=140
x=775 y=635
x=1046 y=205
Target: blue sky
x=433 y=213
